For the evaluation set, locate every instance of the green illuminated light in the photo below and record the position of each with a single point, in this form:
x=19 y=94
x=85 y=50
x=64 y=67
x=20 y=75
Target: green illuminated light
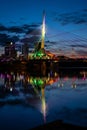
x=38 y=54
x=37 y=82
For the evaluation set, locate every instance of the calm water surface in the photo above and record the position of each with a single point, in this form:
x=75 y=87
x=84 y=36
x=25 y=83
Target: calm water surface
x=27 y=101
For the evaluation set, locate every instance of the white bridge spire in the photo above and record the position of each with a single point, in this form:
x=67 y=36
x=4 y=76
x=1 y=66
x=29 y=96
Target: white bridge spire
x=43 y=31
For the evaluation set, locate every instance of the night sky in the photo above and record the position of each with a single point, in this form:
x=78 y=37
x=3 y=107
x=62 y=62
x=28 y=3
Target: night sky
x=66 y=24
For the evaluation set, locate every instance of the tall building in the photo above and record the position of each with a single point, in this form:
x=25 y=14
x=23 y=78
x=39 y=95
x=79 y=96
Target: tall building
x=10 y=50
x=25 y=50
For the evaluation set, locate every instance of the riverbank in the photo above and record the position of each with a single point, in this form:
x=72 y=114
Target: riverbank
x=59 y=125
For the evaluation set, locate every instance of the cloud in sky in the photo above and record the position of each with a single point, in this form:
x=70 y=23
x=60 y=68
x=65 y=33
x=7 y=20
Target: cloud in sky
x=34 y=31
x=13 y=33
x=31 y=41
x=4 y=38
x=3 y=28
x=79 y=17
x=79 y=45
x=19 y=29
x=82 y=52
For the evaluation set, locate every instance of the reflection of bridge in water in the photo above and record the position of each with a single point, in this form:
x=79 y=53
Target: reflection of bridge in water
x=27 y=88
x=9 y=78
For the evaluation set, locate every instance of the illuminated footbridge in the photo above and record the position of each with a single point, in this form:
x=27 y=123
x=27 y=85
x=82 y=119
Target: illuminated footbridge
x=39 y=51
x=41 y=59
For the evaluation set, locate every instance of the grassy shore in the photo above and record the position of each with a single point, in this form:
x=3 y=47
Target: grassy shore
x=59 y=125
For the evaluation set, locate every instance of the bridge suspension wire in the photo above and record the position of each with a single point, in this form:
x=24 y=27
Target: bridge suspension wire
x=63 y=33
x=74 y=38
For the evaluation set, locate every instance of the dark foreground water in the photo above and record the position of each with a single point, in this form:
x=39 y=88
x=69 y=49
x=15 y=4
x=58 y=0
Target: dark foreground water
x=27 y=101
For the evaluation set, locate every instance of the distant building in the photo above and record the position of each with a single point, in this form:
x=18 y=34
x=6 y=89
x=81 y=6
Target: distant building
x=10 y=50
x=25 y=48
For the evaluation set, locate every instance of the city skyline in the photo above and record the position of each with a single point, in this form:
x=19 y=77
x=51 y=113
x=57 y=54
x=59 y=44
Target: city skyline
x=66 y=25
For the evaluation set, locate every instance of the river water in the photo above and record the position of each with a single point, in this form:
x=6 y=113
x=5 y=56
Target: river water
x=27 y=100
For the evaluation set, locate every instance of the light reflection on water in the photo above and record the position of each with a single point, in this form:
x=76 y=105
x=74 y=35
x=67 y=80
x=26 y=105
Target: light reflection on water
x=27 y=101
